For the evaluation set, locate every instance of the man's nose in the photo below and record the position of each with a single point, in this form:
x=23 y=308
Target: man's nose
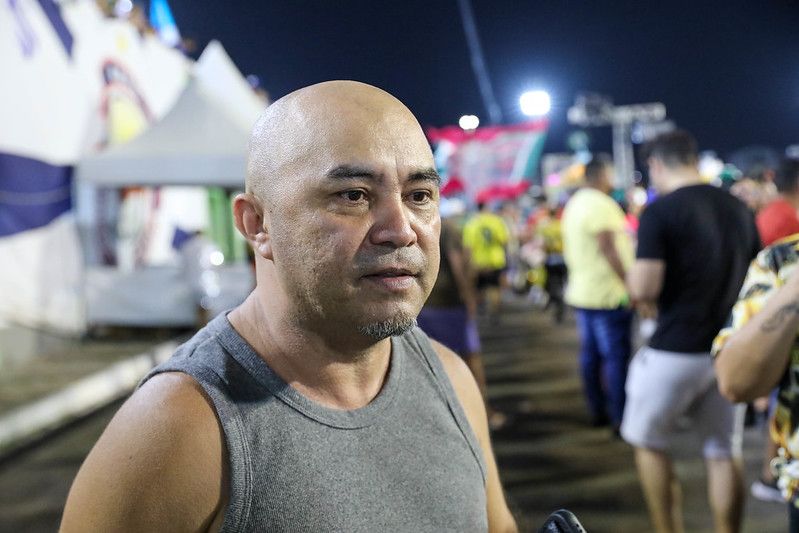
x=392 y=224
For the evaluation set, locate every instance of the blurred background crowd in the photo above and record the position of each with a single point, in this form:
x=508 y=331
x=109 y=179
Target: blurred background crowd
x=123 y=140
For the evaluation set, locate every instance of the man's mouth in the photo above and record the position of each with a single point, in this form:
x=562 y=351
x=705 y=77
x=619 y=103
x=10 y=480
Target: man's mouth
x=393 y=279
x=393 y=273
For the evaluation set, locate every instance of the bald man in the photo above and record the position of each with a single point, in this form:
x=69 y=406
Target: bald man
x=317 y=404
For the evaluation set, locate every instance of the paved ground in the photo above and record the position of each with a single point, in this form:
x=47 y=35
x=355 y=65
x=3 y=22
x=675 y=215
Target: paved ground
x=34 y=364
x=548 y=455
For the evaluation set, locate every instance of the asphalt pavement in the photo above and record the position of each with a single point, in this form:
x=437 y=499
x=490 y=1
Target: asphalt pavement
x=548 y=454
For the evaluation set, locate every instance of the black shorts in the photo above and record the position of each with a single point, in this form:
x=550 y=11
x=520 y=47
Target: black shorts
x=489 y=278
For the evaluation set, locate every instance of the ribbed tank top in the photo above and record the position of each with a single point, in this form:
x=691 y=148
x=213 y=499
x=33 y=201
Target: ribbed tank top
x=407 y=461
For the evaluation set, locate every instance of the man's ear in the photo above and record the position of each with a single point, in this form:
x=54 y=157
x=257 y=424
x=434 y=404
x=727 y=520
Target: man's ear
x=252 y=222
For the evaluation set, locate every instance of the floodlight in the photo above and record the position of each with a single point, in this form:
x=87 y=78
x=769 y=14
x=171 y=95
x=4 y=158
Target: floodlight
x=469 y=122
x=535 y=103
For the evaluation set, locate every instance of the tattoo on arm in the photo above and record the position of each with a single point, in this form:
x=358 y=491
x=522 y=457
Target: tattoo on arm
x=783 y=313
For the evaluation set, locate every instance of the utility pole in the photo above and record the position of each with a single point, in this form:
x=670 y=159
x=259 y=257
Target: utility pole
x=597 y=110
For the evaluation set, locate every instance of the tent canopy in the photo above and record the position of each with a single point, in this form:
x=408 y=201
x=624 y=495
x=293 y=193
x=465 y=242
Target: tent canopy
x=202 y=140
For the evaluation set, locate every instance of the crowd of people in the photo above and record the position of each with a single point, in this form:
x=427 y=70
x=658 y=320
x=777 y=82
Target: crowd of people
x=318 y=404
x=694 y=249
x=679 y=266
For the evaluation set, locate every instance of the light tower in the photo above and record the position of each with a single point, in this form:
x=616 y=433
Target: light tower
x=597 y=110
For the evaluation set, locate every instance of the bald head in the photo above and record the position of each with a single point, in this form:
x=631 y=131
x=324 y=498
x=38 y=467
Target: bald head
x=318 y=124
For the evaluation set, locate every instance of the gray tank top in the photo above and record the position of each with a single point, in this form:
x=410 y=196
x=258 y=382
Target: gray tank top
x=408 y=461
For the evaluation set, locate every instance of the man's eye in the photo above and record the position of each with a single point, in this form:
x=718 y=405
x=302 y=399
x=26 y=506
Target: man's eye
x=421 y=197
x=353 y=196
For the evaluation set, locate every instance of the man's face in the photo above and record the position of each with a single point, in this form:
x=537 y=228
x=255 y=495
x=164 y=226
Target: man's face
x=355 y=230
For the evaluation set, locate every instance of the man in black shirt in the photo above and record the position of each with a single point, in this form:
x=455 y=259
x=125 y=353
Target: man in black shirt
x=695 y=243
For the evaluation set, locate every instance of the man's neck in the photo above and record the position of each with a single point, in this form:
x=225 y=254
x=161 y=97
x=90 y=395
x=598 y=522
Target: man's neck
x=680 y=177
x=598 y=187
x=330 y=371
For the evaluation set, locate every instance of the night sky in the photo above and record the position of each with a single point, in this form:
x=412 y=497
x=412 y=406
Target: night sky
x=728 y=71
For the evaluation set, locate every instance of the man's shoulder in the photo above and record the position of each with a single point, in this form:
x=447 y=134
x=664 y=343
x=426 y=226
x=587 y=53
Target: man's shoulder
x=453 y=365
x=585 y=202
x=681 y=197
x=205 y=354
x=692 y=198
x=659 y=208
x=777 y=208
x=706 y=191
x=606 y=203
x=692 y=191
x=166 y=431
x=174 y=397
x=463 y=384
x=169 y=413
x=587 y=194
x=489 y=218
x=472 y=223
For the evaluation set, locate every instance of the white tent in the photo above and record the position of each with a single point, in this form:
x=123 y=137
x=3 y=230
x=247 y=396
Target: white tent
x=202 y=140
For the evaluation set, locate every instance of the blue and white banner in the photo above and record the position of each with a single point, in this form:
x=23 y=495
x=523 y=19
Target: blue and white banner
x=32 y=193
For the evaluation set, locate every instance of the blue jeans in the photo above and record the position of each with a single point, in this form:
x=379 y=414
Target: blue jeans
x=604 y=354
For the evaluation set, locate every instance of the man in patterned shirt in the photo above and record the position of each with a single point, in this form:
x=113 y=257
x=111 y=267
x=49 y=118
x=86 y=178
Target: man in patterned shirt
x=759 y=349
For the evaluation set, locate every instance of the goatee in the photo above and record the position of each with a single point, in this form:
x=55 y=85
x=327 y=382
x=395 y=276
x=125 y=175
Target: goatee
x=388 y=328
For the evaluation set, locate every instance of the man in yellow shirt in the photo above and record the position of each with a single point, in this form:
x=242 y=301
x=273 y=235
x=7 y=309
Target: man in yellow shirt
x=486 y=236
x=598 y=252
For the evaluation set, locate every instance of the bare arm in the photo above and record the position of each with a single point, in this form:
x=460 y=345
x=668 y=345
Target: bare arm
x=160 y=465
x=500 y=518
x=645 y=280
x=464 y=278
x=754 y=358
x=607 y=245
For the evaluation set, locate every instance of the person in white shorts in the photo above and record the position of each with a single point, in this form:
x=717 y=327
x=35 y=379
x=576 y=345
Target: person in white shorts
x=695 y=242
x=664 y=388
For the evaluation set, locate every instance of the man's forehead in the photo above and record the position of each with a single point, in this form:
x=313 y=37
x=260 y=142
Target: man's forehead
x=366 y=171
x=383 y=157
x=384 y=147
x=335 y=124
